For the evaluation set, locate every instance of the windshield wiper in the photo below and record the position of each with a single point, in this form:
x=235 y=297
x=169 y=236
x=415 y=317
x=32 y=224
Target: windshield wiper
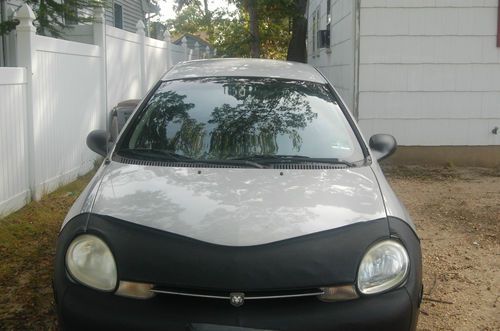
x=154 y=154
x=164 y=155
x=230 y=162
x=270 y=158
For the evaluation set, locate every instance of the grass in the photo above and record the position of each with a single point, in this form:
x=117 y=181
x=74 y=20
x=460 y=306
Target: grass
x=27 y=247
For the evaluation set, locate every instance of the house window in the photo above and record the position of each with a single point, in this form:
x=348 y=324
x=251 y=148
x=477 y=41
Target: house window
x=328 y=13
x=118 y=15
x=325 y=38
x=71 y=13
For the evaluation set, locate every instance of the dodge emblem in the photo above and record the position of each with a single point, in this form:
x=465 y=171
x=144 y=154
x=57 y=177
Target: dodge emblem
x=237 y=299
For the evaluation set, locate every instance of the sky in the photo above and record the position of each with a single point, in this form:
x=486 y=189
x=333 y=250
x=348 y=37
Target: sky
x=167 y=7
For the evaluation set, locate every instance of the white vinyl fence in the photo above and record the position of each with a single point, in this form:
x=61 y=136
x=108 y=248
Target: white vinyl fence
x=60 y=92
x=14 y=188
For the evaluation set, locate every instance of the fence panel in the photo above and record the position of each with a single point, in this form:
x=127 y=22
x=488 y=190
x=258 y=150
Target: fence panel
x=64 y=90
x=156 y=60
x=14 y=187
x=66 y=107
x=177 y=53
x=123 y=66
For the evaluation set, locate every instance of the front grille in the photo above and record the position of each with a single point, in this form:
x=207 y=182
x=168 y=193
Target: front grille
x=251 y=295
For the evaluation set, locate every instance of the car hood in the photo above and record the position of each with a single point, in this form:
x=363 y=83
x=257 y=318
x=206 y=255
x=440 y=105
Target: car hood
x=239 y=206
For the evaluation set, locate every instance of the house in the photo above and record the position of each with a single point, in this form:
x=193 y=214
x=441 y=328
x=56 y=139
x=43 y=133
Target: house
x=7 y=9
x=191 y=41
x=425 y=71
x=122 y=14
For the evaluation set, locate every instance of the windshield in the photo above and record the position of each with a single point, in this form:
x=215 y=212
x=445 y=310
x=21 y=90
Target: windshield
x=217 y=119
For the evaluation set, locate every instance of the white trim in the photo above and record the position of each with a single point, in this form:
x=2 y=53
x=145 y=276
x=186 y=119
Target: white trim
x=51 y=45
x=67 y=177
x=14 y=203
x=117 y=33
x=12 y=76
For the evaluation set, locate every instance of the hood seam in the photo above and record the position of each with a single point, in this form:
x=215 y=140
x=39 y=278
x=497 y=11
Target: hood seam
x=91 y=209
x=383 y=199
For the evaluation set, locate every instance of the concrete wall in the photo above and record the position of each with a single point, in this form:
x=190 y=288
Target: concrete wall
x=429 y=71
x=336 y=62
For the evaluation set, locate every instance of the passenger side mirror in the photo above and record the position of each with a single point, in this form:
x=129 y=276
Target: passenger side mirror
x=97 y=141
x=383 y=145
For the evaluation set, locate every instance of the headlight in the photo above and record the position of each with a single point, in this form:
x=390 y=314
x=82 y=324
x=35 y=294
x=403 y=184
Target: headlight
x=89 y=261
x=384 y=266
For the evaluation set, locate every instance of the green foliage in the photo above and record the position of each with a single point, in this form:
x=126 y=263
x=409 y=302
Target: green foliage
x=190 y=19
x=6 y=27
x=230 y=35
x=51 y=16
x=229 y=31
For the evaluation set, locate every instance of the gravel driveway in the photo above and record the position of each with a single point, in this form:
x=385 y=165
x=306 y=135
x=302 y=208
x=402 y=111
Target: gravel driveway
x=457 y=214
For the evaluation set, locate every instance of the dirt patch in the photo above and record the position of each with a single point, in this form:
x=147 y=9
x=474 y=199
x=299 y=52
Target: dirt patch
x=456 y=211
x=457 y=215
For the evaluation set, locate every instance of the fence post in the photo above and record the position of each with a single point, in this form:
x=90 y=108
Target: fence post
x=184 y=44
x=26 y=57
x=100 y=40
x=166 y=38
x=196 y=51
x=142 y=61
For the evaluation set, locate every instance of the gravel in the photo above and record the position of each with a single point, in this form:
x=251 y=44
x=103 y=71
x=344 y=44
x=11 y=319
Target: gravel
x=457 y=215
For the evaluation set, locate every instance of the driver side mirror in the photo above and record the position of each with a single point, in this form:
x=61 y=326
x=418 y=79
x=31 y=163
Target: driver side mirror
x=383 y=145
x=97 y=141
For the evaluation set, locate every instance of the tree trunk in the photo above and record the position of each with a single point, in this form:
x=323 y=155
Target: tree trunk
x=297 y=47
x=254 y=29
x=205 y=5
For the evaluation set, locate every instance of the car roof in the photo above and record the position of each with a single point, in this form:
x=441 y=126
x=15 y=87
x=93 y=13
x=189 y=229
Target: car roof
x=244 y=68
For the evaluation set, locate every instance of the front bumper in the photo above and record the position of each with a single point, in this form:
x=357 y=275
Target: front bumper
x=85 y=309
x=81 y=308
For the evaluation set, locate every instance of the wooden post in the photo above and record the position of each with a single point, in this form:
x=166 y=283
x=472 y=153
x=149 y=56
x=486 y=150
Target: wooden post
x=26 y=57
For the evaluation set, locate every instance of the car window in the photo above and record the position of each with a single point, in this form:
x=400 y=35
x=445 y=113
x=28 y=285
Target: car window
x=225 y=118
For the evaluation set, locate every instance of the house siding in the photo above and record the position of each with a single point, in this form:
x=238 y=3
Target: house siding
x=336 y=62
x=429 y=71
x=132 y=12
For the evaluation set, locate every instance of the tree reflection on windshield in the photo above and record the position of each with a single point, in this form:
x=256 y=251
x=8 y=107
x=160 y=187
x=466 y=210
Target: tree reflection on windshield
x=170 y=127
x=266 y=109
x=233 y=117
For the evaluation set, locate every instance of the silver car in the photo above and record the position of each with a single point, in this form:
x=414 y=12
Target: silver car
x=240 y=195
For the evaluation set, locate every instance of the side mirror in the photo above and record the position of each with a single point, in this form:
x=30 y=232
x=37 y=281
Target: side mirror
x=97 y=141
x=383 y=145
x=119 y=116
